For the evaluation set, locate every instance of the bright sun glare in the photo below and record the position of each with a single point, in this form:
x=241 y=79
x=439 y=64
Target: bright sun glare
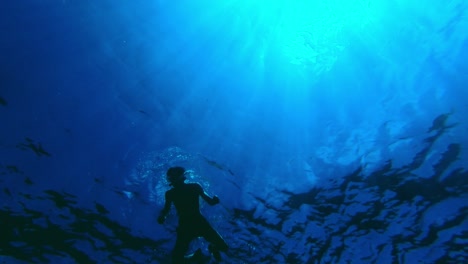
x=309 y=34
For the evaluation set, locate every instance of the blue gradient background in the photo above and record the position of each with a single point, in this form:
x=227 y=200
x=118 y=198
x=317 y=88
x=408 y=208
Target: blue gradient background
x=261 y=100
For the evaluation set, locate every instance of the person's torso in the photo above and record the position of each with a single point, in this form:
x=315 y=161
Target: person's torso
x=185 y=199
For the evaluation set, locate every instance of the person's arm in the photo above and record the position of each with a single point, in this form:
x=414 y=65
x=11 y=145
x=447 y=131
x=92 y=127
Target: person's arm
x=165 y=210
x=207 y=198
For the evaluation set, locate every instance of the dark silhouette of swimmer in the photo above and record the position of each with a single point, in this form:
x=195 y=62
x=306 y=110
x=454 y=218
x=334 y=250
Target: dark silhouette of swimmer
x=192 y=223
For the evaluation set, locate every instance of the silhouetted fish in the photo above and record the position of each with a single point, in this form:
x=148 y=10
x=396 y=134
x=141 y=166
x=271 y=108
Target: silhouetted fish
x=440 y=122
x=235 y=184
x=62 y=199
x=100 y=208
x=7 y=191
x=97 y=180
x=448 y=157
x=217 y=165
x=3 y=101
x=13 y=169
x=37 y=148
x=28 y=181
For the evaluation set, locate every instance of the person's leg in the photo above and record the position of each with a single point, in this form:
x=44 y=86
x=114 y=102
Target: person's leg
x=217 y=243
x=181 y=246
x=215 y=238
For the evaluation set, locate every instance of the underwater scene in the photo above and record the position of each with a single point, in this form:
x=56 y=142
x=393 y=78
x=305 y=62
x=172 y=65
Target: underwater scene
x=234 y=131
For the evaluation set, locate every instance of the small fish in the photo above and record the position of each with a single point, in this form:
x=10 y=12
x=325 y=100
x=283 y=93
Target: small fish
x=3 y=101
x=97 y=180
x=28 y=181
x=439 y=122
x=235 y=184
x=62 y=199
x=218 y=166
x=37 y=148
x=27 y=196
x=214 y=164
x=100 y=208
x=13 y=169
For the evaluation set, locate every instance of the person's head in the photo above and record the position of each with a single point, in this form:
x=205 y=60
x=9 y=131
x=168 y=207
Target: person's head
x=175 y=175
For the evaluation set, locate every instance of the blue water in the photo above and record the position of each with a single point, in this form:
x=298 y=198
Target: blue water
x=332 y=132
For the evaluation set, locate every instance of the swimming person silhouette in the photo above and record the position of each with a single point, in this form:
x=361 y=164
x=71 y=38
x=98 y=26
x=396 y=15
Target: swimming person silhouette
x=192 y=223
